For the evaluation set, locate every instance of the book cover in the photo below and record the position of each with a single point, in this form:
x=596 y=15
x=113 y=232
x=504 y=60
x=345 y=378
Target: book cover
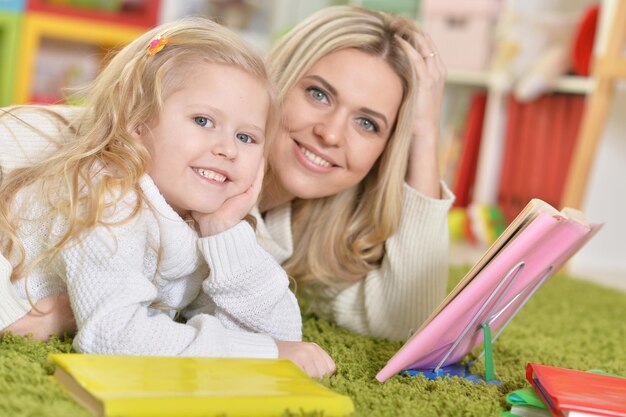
x=140 y=386
x=567 y=391
x=533 y=247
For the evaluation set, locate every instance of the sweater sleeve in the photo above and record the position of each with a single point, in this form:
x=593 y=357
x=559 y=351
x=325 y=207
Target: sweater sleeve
x=12 y=306
x=249 y=288
x=110 y=294
x=393 y=301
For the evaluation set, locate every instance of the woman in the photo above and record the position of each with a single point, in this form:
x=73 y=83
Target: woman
x=352 y=203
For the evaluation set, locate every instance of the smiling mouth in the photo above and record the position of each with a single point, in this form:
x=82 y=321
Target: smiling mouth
x=314 y=158
x=211 y=175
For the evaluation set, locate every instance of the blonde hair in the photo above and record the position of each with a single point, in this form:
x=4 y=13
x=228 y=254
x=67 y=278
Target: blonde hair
x=340 y=238
x=100 y=160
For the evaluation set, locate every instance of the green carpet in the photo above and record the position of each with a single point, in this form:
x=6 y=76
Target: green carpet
x=567 y=323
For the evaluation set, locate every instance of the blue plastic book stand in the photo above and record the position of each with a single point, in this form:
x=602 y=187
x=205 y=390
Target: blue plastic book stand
x=482 y=320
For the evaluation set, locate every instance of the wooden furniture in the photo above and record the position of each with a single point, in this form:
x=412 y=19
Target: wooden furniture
x=608 y=67
x=37 y=26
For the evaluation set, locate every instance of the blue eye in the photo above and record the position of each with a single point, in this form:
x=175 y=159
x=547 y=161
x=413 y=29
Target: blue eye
x=368 y=124
x=245 y=138
x=203 y=121
x=317 y=94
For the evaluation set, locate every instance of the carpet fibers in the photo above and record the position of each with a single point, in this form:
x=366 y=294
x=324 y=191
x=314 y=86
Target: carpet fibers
x=568 y=323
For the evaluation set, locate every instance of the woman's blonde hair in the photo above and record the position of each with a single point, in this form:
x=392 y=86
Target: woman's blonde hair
x=338 y=239
x=100 y=161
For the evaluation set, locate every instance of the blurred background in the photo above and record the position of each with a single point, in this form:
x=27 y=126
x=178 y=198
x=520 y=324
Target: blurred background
x=527 y=112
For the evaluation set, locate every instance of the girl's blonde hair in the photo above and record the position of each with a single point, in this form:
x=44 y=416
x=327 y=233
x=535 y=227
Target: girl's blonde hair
x=340 y=238
x=99 y=160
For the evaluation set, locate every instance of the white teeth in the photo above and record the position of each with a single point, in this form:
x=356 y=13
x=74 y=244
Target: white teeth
x=212 y=175
x=316 y=159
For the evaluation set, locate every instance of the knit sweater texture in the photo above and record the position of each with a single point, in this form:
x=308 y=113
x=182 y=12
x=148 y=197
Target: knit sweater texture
x=392 y=301
x=127 y=281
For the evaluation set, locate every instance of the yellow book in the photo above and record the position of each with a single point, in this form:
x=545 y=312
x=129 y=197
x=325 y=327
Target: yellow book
x=138 y=386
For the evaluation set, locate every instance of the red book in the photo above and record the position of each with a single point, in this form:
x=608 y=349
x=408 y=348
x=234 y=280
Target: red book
x=537 y=165
x=466 y=171
x=523 y=159
x=507 y=170
x=571 y=393
x=554 y=176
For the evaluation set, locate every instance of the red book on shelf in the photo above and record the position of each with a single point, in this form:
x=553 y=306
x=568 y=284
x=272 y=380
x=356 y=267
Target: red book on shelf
x=466 y=171
x=523 y=162
x=571 y=393
x=507 y=170
x=137 y=13
x=575 y=109
x=558 y=118
x=541 y=160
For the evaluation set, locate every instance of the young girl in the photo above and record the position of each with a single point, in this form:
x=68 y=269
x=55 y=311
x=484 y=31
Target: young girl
x=137 y=215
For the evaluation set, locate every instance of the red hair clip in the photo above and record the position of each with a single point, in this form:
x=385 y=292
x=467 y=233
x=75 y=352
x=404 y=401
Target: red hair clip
x=157 y=45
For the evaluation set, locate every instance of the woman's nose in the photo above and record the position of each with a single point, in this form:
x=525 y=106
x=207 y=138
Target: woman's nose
x=331 y=129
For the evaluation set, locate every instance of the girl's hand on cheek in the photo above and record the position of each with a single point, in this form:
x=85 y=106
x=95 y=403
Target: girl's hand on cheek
x=232 y=211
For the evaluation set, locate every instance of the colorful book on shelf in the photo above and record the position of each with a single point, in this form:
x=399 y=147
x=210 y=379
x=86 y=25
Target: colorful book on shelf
x=507 y=171
x=467 y=165
x=140 y=386
x=571 y=393
x=534 y=246
x=539 y=142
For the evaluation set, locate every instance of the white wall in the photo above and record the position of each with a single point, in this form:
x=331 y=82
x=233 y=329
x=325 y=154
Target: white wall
x=603 y=259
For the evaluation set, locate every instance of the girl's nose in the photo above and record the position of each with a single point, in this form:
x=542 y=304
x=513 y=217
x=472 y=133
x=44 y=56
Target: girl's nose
x=226 y=148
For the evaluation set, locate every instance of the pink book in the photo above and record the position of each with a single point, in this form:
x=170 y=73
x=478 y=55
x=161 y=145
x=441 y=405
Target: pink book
x=534 y=246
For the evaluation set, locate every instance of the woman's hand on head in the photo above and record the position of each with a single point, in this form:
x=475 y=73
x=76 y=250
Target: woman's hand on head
x=309 y=357
x=423 y=171
x=232 y=211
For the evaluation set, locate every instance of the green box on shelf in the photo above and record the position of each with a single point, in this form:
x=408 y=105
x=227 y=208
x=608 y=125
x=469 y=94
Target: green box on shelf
x=409 y=8
x=9 y=30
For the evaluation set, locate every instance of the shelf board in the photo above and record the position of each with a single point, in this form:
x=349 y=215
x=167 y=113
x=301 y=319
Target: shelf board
x=566 y=84
x=471 y=78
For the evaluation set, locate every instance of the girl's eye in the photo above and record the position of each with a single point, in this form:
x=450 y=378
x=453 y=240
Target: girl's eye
x=245 y=138
x=368 y=125
x=317 y=94
x=203 y=121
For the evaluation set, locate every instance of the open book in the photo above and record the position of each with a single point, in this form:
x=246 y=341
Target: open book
x=142 y=386
x=534 y=246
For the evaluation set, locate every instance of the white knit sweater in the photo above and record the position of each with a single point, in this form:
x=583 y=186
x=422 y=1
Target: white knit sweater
x=392 y=301
x=116 y=276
